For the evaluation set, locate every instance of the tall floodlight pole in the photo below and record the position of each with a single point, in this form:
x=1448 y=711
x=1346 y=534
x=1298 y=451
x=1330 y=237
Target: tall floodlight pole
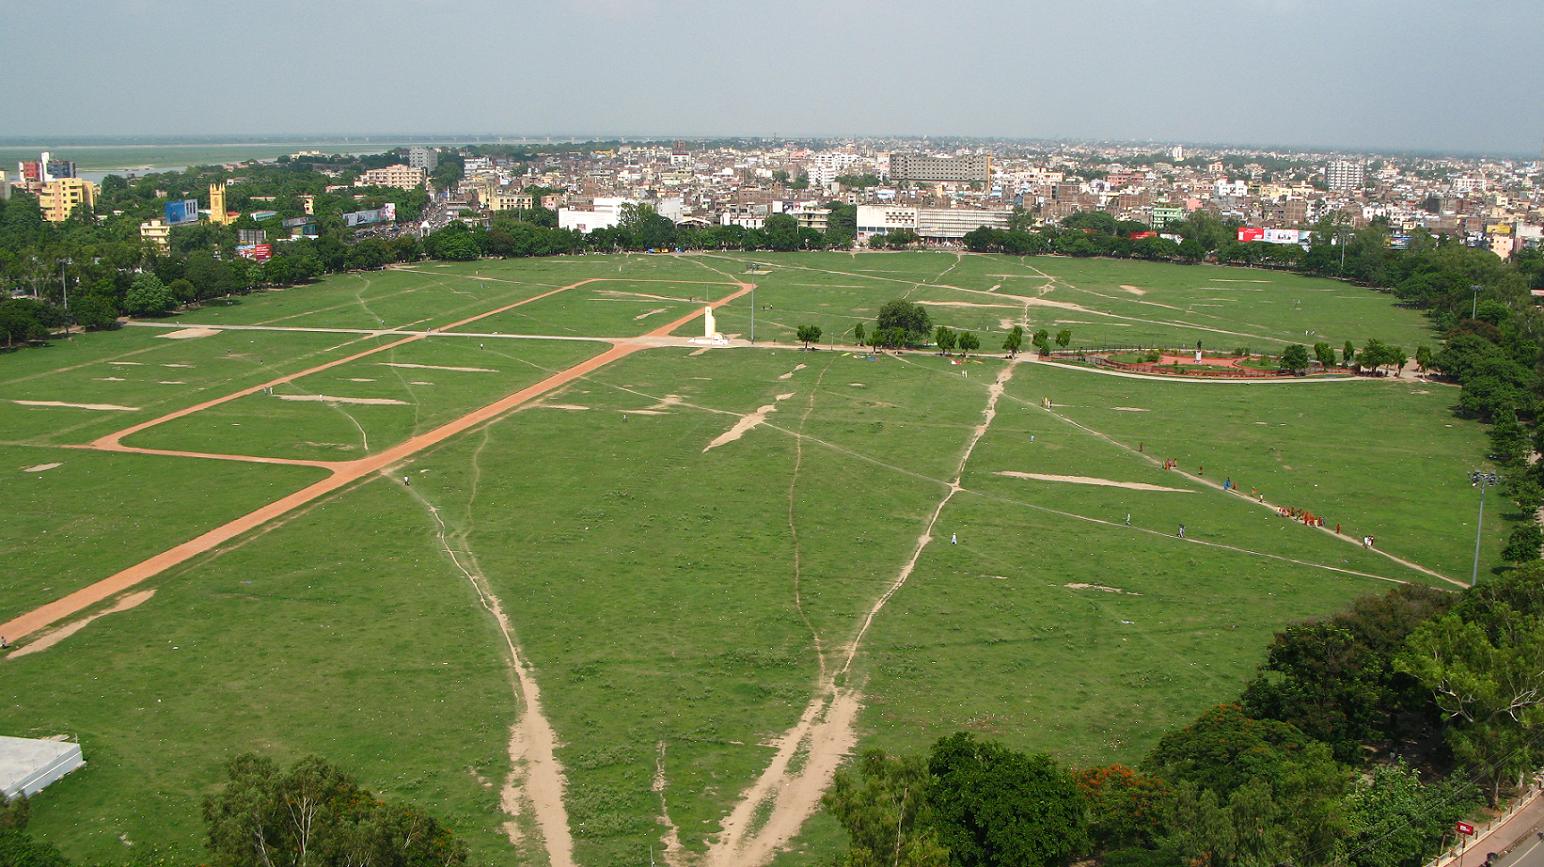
x=753 y=314
x=1482 y=481
x=1474 y=306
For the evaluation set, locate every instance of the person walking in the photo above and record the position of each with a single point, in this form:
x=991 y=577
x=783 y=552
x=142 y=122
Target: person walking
x=1128 y=519
x=1182 y=531
x=954 y=538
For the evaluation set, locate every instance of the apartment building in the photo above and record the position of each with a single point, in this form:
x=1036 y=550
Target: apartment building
x=157 y=233
x=1345 y=176
x=403 y=177
x=921 y=167
x=932 y=224
x=420 y=157
x=59 y=198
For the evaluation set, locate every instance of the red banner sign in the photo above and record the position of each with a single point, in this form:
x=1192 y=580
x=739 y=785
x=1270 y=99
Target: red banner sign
x=1465 y=829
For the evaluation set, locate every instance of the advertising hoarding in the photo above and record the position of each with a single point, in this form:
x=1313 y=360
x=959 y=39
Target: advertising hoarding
x=182 y=212
x=1247 y=234
x=255 y=252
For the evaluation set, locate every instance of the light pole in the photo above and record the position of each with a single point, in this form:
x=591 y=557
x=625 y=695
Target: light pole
x=753 y=314
x=1474 y=305
x=1481 y=480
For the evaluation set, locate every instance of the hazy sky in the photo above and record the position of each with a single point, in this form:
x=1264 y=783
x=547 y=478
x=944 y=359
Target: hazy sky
x=1405 y=74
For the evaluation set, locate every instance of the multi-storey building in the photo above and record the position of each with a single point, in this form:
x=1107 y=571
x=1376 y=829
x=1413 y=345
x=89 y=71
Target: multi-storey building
x=921 y=167
x=59 y=199
x=420 y=157
x=401 y=176
x=157 y=233
x=1345 y=175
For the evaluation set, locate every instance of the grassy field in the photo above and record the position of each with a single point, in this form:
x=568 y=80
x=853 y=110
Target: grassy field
x=675 y=575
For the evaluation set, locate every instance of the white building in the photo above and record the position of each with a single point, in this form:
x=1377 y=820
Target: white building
x=1226 y=189
x=1345 y=175
x=603 y=213
x=825 y=167
x=934 y=224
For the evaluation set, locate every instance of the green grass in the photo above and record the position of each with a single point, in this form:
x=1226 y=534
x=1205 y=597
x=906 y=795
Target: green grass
x=269 y=425
x=97 y=513
x=650 y=583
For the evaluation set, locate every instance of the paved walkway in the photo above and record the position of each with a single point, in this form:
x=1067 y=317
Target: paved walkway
x=1505 y=833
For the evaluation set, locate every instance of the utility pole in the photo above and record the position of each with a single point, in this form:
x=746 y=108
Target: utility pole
x=753 y=314
x=1482 y=481
x=1474 y=306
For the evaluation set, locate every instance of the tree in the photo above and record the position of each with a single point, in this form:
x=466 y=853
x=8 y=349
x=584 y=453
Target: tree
x=1509 y=444
x=857 y=333
x=1126 y=807
x=1320 y=678
x=1294 y=359
x=782 y=232
x=148 y=296
x=996 y=806
x=1423 y=357
x=1523 y=543
x=968 y=342
x=1392 y=818
x=909 y=318
x=95 y=312
x=1348 y=354
x=313 y=813
x=944 y=337
x=1042 y=341
x=1483 y=663
x=882 y=801
x=1014 y=341
x=1064 y=337
x=1324 y=354
x=809 y=334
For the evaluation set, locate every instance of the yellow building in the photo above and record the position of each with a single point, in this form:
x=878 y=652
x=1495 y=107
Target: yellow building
x=59 y=198
x=308 y=204
x=158 y=233
x=217 y=212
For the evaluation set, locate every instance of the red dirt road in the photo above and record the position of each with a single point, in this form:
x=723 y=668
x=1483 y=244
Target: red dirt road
x=343 y=472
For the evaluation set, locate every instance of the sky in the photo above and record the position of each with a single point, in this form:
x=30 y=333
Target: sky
x=1425 y=75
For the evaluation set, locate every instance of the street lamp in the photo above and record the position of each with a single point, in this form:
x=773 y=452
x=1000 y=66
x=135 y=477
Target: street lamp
x=1481 y=480
x=1474 y=305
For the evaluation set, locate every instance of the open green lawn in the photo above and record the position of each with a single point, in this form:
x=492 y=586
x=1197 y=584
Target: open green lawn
x=424 y=384
x=670 y=598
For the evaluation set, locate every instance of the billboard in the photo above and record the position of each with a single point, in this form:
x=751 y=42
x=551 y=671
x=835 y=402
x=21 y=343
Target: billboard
x=1282 y=236
x=385 y=214
x=1246 y=234
x=180 y=213
x=255 y=252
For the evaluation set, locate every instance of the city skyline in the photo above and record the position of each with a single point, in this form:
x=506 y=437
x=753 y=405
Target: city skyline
x=1261 y=73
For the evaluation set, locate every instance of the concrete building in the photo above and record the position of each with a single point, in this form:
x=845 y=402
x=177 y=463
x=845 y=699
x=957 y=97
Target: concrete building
x=5 y=187
x=1165 y=214
x=495 y=200
x=60 y=198
x=921 y=167
x=932 y=224
x=420 y=157
x=679 y=156
x=217 y=212
x=603 y=213
x=952 y=224
x=1345 y=175
x=157 y=232
x=400 y=176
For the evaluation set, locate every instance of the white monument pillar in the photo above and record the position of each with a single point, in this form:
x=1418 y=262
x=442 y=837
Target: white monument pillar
x=709 y=327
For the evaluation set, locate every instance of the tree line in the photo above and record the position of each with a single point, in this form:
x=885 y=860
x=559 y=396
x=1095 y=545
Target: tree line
x=265 y=815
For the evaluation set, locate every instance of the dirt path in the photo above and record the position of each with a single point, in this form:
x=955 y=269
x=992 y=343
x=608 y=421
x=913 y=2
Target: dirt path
x=827 y=730
x=1090 y=480
x=535 y=776
x=343 y=474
